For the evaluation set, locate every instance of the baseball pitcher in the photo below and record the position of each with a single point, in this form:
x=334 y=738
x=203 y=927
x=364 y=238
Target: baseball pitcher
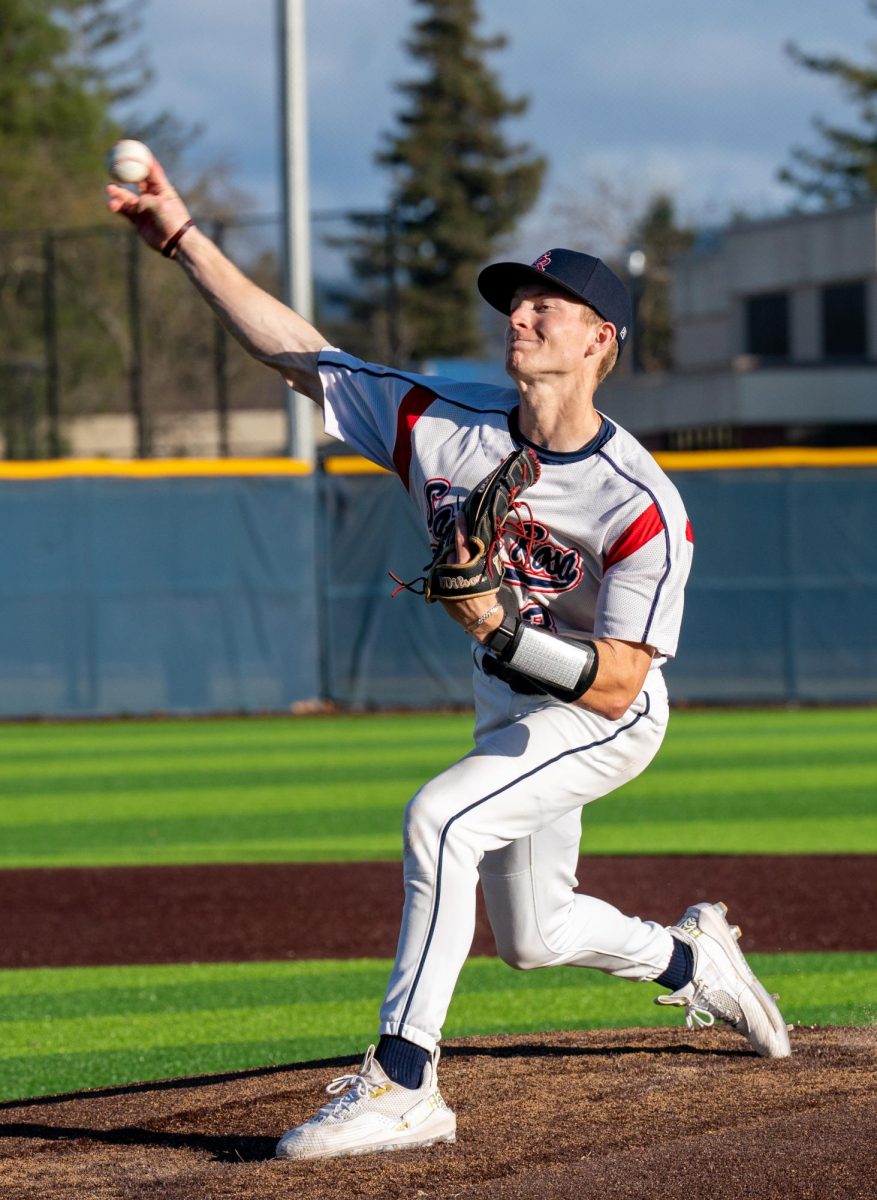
x=561 y=550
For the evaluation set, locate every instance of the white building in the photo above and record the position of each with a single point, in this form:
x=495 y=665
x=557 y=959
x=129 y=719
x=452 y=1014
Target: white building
x=775 y=339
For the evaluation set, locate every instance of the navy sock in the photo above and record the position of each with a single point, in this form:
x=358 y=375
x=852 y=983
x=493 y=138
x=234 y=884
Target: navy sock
x=402 y=1061
x=680 y=968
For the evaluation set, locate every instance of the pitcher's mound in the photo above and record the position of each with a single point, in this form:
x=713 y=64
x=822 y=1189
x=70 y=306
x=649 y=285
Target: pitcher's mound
x=596 y=1115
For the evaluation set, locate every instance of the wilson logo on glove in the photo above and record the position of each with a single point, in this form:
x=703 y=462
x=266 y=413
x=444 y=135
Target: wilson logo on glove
x=489 y=509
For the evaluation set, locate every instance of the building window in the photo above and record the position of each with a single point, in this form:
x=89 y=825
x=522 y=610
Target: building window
x=844 y=321
x=705 y=437
x=767 y=325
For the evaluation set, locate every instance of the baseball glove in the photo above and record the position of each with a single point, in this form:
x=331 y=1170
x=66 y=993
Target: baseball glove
x=486 y=512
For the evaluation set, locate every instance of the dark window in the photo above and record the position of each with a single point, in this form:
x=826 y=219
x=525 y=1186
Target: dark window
x=767 y=325
x=844 y=323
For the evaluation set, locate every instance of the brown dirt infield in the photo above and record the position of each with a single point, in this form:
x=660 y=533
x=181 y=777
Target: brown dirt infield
x=230 y=913
x=619 y=1115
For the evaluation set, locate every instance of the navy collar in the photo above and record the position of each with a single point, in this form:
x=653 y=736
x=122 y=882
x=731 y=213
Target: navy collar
x=597 y=442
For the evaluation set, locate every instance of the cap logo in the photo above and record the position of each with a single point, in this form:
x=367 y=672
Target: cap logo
x=543 y=263
x=622 y=334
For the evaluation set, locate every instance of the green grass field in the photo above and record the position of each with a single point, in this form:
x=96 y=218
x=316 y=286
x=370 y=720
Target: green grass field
x=90 y=1027
x=263 y=790
x=152 y=792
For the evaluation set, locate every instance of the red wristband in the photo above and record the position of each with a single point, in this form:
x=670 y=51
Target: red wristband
x=174 y=240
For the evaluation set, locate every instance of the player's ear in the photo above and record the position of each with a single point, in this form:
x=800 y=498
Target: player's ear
x=604 y=334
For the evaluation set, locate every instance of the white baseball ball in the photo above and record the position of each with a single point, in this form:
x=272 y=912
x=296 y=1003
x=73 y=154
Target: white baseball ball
x=129 y=161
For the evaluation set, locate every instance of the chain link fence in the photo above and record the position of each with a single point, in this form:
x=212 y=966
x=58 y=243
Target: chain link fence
x=106 y=351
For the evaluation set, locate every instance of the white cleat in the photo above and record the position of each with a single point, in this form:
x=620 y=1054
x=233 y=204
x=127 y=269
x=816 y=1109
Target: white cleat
x=372 y=1114
x=724 y=987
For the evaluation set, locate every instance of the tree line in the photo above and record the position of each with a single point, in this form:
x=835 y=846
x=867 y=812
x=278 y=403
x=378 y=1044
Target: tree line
x=459 y=185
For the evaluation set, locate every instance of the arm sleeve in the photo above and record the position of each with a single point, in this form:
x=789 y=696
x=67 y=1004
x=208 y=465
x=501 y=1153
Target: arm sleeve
x=365 y=404
x=646 y=561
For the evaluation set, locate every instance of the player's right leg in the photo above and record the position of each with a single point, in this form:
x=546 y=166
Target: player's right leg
x=721 y=985
x=538 y=920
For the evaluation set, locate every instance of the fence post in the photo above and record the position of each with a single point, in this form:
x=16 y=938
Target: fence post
x=135 y=352
x=325 y=505
x=220 y=362
x=50 y=344
x=789 y=593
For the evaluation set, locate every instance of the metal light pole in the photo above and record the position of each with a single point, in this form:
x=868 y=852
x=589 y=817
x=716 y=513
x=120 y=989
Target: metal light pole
x=297 y=279
x=636 y=269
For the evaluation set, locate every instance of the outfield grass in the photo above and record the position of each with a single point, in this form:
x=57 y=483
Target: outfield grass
x=138 y=1023
x=333 y=789
x=318 y=789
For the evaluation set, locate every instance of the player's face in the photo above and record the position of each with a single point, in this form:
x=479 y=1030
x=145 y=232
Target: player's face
x=548 y=333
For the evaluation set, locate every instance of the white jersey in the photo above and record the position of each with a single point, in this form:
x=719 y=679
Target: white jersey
x=603 y=548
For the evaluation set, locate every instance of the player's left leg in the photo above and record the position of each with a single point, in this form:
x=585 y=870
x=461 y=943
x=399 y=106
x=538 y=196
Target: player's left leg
x=529 y=767
x=522 y=776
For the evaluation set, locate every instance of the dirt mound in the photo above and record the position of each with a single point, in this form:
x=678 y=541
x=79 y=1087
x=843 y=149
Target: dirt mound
x=609 y=1114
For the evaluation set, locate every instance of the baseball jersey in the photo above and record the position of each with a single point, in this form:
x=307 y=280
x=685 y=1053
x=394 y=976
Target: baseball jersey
x=602 y=547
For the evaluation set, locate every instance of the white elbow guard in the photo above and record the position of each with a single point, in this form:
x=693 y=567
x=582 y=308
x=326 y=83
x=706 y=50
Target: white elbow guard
x=559 y=668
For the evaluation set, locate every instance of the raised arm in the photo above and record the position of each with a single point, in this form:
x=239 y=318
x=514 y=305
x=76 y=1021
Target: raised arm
x=267 y=329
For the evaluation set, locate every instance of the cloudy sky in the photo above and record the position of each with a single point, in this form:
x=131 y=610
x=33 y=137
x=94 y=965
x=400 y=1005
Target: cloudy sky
x=696 y=96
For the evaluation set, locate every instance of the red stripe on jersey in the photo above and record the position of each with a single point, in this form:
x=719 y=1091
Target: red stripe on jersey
x=414 y=405
x=646 y=526
x=689 y=532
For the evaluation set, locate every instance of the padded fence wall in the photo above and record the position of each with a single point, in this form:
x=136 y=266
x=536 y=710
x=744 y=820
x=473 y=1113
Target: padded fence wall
x=379 y=650
x=781 y=605
x=206 y=594
x=156 y=595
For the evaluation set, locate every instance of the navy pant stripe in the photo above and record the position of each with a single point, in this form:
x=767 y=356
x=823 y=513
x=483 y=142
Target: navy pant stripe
x=483 y=800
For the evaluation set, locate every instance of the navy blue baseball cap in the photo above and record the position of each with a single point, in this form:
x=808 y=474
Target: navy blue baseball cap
x=580 y=275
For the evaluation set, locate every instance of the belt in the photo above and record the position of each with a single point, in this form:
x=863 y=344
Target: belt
x=515 y=680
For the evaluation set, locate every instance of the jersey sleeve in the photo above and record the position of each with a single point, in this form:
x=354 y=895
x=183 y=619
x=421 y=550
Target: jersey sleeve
x=646 y=560
x=367 y=405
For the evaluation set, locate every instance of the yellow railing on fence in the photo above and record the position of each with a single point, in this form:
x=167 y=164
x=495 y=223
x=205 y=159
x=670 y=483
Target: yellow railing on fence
x=691 y=460
x=353 y=464
x=771 y=456
x=151 y=468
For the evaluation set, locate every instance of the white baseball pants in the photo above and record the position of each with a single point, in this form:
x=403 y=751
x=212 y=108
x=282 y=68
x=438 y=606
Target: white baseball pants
x=510 y=813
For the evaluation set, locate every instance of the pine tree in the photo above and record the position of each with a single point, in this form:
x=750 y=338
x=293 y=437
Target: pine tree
x=62 y=77
x=69 y=67
x=660 y=237
x=457 y=187
x=844 y=170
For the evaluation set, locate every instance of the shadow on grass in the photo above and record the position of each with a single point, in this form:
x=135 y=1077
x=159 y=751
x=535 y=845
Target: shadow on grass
x=166 y=1085
x=529 y=1050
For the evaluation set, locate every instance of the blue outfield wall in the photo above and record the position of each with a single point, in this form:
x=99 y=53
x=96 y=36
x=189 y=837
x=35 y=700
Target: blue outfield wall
x=781 y=605
x=782 y=601
x=129 y=595
x=227 y=593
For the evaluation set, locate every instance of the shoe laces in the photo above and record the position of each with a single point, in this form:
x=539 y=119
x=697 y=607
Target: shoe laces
x=704 y=1006
x=350 y=1090
x=712 y=1003
x=700 y=1017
